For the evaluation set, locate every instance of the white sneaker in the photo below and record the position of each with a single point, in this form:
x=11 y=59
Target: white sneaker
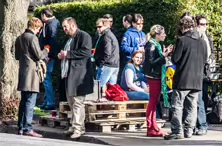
x=75 y=135
x=83 y=132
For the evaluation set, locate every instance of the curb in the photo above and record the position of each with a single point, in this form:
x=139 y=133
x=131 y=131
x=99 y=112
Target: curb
x=12 y=129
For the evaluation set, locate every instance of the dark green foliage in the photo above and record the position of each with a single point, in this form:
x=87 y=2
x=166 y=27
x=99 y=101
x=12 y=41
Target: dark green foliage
x=163 y=12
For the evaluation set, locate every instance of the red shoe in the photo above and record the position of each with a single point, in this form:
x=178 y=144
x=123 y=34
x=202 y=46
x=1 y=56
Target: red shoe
x=33 y=134
x=154 y=133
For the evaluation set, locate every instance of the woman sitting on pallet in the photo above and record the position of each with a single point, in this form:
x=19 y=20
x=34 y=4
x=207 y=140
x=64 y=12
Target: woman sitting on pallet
x=133 y=81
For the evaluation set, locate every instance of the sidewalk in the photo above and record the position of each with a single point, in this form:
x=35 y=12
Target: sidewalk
x=137 y=138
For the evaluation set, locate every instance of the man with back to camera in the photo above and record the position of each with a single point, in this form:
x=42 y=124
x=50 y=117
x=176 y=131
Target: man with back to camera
x=189 y=56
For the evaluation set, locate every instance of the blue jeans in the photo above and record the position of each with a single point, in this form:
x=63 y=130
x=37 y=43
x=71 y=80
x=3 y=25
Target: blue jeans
x=49 y=92
x=201 y=116
x=26 y=109
x=132 y=95
x=107 y=74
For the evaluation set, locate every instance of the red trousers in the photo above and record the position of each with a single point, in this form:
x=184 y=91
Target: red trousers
x=155 y=91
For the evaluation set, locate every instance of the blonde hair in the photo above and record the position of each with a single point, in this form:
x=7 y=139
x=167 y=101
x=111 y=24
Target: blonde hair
x=34 y=22
x=155 y=29
x=104 y=21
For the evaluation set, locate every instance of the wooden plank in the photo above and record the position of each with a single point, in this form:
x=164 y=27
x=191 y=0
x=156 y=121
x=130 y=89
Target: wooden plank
x=131 y=119
x=117 y=111
x=117 y=102
x=119 y=120
x=64 y=106
x=53 y=122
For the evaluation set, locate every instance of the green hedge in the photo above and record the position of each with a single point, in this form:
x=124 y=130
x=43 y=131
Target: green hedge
x=161 y=12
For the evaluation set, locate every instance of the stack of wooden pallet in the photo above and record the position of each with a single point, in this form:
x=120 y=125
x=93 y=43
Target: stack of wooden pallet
x=107 y=116
x=113 y=115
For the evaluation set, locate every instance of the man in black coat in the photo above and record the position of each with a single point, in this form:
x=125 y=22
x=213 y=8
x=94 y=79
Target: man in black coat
x=49 y=37
x=107 y=55
x=76 y=70
x=189 y=57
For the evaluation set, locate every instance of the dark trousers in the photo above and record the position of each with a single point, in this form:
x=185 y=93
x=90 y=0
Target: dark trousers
x=205 y=94
x=177 y=106
x=26 y=109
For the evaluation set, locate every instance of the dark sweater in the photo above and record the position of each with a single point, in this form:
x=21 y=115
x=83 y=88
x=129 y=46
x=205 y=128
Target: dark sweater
x=50 y=37
x=107 y=51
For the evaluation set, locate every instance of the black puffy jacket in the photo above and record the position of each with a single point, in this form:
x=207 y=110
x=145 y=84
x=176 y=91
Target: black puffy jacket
x=107 y=51
x=153 y=61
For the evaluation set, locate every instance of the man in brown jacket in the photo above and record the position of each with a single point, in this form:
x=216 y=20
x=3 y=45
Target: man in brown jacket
x=28 y=52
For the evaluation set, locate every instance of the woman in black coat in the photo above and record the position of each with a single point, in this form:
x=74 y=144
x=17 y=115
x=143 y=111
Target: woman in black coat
x=155 y=70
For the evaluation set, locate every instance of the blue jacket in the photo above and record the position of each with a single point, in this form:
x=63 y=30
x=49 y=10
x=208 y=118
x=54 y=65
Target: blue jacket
x=132 y=40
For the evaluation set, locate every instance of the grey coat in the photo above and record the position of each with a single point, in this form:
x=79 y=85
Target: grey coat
x=28 y=53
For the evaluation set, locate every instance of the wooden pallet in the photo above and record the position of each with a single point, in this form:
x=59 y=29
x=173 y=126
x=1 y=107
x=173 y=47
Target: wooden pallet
x=54 y=122
x=127 y=125
x=116 y=111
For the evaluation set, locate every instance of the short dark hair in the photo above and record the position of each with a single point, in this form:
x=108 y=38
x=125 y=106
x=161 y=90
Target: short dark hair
x=70 y=20
x=48 y=12
x=128 y=18
x=200 y=17
x=136 y=17
x=108 y=16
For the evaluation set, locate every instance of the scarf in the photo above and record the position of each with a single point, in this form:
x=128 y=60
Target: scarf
x=204 y=37
x=163 y=75
x=65 y=61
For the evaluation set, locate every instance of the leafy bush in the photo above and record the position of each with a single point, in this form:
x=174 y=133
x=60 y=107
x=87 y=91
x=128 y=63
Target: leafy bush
x=161 y=12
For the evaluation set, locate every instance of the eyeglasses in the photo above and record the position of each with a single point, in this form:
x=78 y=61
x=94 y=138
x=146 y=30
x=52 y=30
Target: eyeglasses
x=99 y=26
x=202 y=24
x=139 y=23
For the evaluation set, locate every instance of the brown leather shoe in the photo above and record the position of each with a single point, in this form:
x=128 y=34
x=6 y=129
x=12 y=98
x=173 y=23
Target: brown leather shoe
x=33 y=134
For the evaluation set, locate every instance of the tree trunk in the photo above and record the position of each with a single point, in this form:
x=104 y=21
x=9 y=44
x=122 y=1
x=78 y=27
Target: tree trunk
x=13 y=20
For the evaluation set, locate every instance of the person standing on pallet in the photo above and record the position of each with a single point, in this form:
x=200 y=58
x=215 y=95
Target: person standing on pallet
x=76 y=70
x=49 y=36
